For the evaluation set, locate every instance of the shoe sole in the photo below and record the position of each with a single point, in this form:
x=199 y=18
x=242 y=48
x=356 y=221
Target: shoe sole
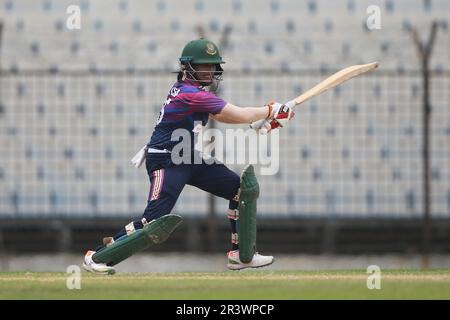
x=235 y=267
x=89 y=269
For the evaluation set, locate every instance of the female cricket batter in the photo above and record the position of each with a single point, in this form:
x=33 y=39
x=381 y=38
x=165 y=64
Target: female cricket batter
x=191 y=101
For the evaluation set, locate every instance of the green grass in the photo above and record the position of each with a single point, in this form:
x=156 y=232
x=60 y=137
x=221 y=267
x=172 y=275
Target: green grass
x=248 y=284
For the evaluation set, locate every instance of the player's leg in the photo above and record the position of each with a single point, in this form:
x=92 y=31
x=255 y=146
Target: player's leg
x=247 y=257
x=154 y=227
x=165 y=188
x=222 y=182
x=157 y=231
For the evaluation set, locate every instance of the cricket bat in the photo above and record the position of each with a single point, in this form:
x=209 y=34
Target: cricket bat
x=333 y=81
x=330 y=82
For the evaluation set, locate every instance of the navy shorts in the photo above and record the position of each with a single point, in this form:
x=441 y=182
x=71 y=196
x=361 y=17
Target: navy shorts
x=168 y=180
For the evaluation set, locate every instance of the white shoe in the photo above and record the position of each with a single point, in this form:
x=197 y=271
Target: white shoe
x=91 y=266
x=234 y=263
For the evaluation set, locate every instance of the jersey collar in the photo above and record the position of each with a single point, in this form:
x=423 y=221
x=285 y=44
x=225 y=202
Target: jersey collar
x=192 y=83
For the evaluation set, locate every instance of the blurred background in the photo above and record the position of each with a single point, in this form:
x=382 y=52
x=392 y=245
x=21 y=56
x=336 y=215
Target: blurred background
x=364 y=169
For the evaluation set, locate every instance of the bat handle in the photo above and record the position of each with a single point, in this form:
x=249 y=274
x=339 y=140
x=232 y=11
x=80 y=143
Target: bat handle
x=291 y=104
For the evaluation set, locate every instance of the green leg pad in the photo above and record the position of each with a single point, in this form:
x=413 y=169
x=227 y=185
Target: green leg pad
x=249 y=193
x=157 y=231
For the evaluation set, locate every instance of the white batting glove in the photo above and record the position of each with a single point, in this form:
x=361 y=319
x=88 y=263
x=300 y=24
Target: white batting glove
x=281 y=114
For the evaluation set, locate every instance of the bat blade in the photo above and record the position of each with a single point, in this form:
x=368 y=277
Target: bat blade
x=330 y=82
x=333 y=81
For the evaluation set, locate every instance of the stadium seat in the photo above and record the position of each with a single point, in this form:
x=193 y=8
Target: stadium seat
x=93 y=117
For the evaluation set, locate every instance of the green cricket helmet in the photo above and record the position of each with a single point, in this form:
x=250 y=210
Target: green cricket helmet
x=201 y=51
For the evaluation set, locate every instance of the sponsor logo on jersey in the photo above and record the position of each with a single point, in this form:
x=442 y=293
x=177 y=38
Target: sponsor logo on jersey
x=174 y=92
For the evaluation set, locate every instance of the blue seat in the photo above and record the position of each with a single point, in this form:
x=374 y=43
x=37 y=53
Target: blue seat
x=252 y=27
x=435 y=173
x=20 y=25
x=389 y=5
x=21 y=90
x=59 y=25
x=9 y=6
x=396 y=174
x=79 y=173
x=269 y=47
x=93 y=131
x=93 y=200
x=175 y=25
x=100 y=89
x=40 y=173
x=236 y=6
x=330 y=200
x=61 y=90
x=274 y=6
x=123 y=6
x=152 y=46
x=214 y=25
x=328 y=26
x=69 y=153
x=410 y=200
x=53 y=198
x=385 y=152
x=15 y=200
x=98 y=25
x=52 y=131
x=136 y=26
x=312 y=6
x=305 y=153
x=317 y=174
x=345 y=153
x=132 y=198
x=108 y=152
x=113 y=47
x=34 y=48
x=356 y=173
x=351 y=6
x=370 y=199
x=74 y=47
x=119 y=174
x=80 y=109
x=29 y=153
x=290 y=26
x=199 y=6
x=331 y=131
x=132 y=131
x=47 y=6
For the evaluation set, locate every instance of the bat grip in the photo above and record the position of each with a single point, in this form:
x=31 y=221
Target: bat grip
x=291 y=103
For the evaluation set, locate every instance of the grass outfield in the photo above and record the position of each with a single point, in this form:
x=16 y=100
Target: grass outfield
x=247 y=284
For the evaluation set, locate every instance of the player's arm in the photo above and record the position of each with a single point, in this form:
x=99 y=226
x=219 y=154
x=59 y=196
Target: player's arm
x=234 y=114
x=263 y=120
